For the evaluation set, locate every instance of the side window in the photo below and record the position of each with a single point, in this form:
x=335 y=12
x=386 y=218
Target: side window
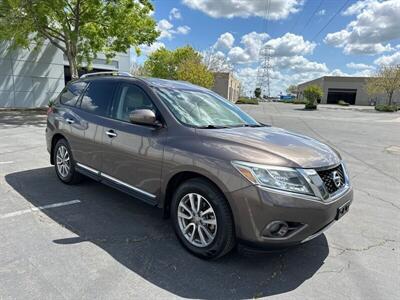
x=71 y=93
x=98 y=97
x=130 y=98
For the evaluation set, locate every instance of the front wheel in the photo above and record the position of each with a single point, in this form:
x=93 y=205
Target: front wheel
x=202 y=219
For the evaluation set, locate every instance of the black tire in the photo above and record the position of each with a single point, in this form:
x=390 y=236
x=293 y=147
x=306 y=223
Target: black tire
x=224 y=240
x=72 y=177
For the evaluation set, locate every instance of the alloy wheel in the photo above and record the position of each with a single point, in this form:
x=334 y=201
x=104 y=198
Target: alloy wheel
x=197 y=220
x=63 y=161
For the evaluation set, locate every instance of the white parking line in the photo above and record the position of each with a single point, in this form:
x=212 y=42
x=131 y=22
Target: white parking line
x=6 y=162
x=33 y=209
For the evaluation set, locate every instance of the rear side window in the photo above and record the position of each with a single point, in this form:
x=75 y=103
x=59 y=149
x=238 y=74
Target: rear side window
x=70 y=94
x=98 y=97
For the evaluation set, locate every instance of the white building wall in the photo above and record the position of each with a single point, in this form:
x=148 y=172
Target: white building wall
x=29 y=79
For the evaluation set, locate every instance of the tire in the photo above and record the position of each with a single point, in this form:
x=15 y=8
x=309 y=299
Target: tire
x=222 y=238
x=67 y=175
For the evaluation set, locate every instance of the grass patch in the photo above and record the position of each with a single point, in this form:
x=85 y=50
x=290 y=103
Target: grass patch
x=310 y=106
x=386 y=107
x=247 y=101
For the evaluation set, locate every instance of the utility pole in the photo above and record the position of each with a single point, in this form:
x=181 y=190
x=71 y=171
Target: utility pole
x=264 y=70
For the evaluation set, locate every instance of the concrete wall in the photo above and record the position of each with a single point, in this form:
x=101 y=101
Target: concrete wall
x=30 y=78
x=226 y=85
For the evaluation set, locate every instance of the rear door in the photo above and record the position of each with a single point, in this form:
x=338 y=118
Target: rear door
x=86 y=131
x=133 y=154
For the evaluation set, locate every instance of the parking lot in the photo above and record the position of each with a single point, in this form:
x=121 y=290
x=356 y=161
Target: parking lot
x=90 y=241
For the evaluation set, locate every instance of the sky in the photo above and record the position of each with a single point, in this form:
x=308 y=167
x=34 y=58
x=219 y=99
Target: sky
x=307 y=38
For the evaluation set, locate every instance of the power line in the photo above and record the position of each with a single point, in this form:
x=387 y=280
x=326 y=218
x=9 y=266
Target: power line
x=312 y=15
x=331 y=19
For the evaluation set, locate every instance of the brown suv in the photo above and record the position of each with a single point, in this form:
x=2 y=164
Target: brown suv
x=222 y=176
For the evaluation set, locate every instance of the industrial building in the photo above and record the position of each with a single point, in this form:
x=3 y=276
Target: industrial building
x=335 y=88
x=30 y=78
x=226 y=85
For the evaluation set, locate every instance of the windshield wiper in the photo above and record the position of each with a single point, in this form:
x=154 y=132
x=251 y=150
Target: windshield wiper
x=210 y=126
x=248 y=125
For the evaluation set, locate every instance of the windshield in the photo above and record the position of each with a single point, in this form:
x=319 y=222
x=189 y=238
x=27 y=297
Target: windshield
x=204 y=109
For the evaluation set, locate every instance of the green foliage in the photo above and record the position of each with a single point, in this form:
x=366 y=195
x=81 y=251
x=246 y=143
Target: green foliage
x=310 y=106
x=195 y=72
x=183 y=63
x=312 y=93
x=386 y=80
x=386 y=107
x=257 y=92
x=343 y=103
x=80 y=28
x=244 y=100
x=298 y=101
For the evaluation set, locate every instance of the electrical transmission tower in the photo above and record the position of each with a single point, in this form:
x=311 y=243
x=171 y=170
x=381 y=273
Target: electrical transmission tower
x=264 y=70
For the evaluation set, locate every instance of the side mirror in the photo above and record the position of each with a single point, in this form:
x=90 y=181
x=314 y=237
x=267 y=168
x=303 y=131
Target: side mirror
x=144 y=117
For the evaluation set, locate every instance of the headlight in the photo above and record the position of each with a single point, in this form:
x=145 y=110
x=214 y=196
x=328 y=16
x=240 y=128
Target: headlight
x=281 y=178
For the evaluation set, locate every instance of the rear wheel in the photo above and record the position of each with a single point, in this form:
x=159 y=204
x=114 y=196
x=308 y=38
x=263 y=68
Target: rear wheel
x=202 y=219
x=65 y=164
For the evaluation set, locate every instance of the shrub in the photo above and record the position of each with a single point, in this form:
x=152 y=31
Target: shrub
x=343 y=103
x=312 y=94
x=386 y=107
x=298 y=101
x=311 y=106
x=247 y=101
x=257 y=92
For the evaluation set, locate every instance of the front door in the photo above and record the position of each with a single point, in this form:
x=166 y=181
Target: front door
x=132 y=154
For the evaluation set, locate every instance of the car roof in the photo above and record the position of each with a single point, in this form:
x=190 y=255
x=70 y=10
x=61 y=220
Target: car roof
x=172 y=84
x=151 y=81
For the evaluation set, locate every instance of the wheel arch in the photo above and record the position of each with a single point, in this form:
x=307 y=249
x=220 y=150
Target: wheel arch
x=182 y=176
x=54 y=140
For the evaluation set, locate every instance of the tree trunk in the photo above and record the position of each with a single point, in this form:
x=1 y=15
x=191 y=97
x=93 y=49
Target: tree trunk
x=73 y=67
x=390 y=97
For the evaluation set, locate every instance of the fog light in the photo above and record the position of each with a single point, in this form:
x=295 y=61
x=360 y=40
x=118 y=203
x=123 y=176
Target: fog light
x=276 y=229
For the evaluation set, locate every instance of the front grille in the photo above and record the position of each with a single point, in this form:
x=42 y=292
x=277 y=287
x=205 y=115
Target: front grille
x=333 y=179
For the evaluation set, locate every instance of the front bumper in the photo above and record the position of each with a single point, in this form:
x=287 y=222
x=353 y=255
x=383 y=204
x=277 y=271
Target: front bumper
x=254 y=208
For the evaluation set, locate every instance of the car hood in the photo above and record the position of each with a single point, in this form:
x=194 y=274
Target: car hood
x=269 y=145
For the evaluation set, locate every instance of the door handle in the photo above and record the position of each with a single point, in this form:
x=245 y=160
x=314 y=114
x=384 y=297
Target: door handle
x=111 y=133
x=70 y=121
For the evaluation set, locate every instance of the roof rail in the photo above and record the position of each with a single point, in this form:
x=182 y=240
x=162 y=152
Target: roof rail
x=109 y=73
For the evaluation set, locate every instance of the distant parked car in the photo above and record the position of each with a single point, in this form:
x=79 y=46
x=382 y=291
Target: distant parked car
x=219 y=174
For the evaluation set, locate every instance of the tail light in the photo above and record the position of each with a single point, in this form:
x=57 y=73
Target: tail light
x=49 y=110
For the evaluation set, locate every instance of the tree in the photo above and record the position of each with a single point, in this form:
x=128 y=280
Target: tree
x=257 y=92
x=292 y=89
x=183 y=63
x=193 y=71
x=79 y=28
x=312 y=93
x=216 y=61
x=386 y=80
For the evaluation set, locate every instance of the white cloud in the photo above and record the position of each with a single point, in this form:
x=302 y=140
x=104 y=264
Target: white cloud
x=322 y=12
x=146 y=50
x=225 y=41
x=165 y=27
x=238 y=55
x=375 y=25
x=291 y=44
x=278 y=9
x=388 y=59
x=253 y=42
x=183 y=29
x=356 y=66
x=167 y=31
x=299 y=64
x=175 y=14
